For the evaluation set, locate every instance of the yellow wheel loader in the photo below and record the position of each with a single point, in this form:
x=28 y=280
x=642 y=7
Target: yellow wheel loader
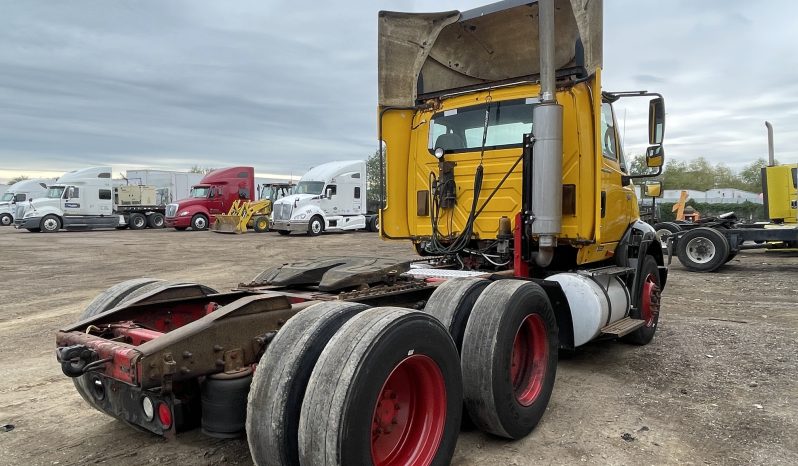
x=251 y=214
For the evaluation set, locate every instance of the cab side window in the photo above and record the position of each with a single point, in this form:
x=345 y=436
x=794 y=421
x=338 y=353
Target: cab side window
x=611 y=146
x=608 y=133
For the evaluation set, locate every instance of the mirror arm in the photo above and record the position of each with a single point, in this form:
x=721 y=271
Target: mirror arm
x=650 y=175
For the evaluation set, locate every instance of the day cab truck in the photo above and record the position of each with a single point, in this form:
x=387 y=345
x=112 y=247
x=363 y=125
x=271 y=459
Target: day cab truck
x=329 y=197
x=18 y=194
x=214 y=195
x=502 y=160
x=709 y=244
x=88 y=199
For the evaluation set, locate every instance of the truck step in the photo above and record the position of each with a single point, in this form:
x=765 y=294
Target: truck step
x=622 y=327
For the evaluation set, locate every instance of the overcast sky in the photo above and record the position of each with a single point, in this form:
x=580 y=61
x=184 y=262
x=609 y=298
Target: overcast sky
x=171 y=84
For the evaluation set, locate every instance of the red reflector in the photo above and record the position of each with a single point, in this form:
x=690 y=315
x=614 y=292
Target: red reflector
x=165 y=415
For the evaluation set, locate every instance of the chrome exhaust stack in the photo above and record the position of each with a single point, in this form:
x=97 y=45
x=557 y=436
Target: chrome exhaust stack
x=771 y=155
x=546 y=200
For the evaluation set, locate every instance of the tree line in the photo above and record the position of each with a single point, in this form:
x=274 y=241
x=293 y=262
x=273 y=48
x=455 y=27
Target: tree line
x=702 y=175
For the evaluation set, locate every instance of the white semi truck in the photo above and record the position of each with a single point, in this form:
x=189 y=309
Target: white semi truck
x=329 y=197
x=87 y=199
x=19 y=193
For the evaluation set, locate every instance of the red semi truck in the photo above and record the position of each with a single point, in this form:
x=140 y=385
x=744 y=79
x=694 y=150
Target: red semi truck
x=214 y=195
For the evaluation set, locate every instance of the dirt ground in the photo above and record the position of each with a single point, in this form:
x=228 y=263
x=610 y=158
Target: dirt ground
x=717 y=385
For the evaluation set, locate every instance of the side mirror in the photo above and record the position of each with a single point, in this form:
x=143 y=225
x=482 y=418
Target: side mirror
x=655 y=156
x=656 y=120
x=653 y=189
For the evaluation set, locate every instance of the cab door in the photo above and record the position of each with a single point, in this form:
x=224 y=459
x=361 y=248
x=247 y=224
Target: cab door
x=71 y=202
x=216 y=204
x=616 y=199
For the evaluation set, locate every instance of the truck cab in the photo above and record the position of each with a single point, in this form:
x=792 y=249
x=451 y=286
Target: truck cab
x=274 y=191
x=79 y=199
x=13 y=202
x=780 y=192
x=329 y=197
x=487 y=160
x=213 y=196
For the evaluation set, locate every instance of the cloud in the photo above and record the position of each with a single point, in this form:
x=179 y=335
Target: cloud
x=173 y=84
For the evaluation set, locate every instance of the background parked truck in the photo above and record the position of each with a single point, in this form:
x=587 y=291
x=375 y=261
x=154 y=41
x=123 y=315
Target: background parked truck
x=170 y=185
x=88 y=199
x=212 y=196
x=19 y=193
x=329 y=197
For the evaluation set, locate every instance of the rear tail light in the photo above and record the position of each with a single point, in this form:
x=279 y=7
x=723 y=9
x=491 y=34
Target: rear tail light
x=165 y=415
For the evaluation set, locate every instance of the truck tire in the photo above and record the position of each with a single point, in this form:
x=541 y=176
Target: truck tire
x=50 y=224
x=278 y=386
x=374 y=223
x=118 y=294
x=6 y=220
x=702 y=249
x=649 y=304
x=260 y=224
x=451 y=303
x=315 y=226
x=509 y=358
x=137 y=221
x=155 y=220
x=199 y=222
x=386 y=390
x=665 y=229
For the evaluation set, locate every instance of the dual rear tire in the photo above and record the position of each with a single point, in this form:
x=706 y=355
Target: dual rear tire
x=508 y=339
x=337 y=374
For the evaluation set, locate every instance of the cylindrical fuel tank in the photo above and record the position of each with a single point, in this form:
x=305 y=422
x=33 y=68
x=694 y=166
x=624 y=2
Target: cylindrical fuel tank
x=595 y=301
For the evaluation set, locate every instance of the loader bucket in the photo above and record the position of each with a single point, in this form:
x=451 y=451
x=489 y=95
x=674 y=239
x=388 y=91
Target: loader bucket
x=229 y=224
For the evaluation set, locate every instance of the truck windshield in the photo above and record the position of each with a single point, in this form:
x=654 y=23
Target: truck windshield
x=7 y=197
x=309 y=187
x=55 y=192
x=200 y=191
x=460 y=130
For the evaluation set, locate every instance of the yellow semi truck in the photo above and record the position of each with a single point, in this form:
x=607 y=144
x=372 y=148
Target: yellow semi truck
x=502 y=160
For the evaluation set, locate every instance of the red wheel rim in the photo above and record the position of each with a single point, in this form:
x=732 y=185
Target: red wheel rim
x=529 y=359
x=410 y=414
x=649 y=305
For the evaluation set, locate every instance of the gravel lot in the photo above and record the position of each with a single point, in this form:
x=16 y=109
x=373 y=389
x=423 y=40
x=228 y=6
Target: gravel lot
x=717 y=385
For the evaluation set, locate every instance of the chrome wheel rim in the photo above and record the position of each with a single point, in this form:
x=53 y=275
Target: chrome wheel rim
x=50 y=224
x=700 y=250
